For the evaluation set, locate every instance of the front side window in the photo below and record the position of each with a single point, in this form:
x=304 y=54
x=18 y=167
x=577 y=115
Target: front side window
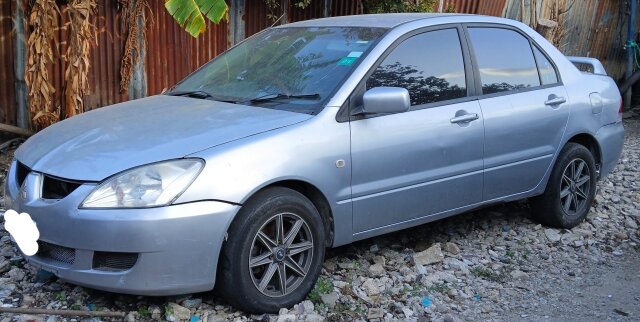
x=297 y=68
x=505 y=60
x=429 y=65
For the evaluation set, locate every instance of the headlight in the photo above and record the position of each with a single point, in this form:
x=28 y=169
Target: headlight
x=152 y=185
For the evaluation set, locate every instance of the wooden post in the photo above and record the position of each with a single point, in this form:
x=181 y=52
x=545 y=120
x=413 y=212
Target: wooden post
x=14 y=130
x=533 y=20
x=138 y=84
x=236 y=22
x=285 y=12
x=546 y=28
x=19 y=61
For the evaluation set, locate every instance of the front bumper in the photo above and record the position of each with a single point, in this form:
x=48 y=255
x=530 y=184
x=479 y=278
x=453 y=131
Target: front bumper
x=176 y=247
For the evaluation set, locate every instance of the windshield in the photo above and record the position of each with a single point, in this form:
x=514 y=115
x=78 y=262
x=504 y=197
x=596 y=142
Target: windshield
x=294 y=69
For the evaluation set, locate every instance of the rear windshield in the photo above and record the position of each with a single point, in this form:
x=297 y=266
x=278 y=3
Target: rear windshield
x=290 y=61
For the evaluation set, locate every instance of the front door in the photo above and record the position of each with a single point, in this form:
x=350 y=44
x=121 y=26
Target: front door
x=427 y=160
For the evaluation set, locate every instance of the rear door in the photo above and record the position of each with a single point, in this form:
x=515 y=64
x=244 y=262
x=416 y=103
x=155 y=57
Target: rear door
x=427 y=160
x=524 y=105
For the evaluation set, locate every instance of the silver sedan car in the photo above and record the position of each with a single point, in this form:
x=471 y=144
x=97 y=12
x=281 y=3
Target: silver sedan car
x=313 y=135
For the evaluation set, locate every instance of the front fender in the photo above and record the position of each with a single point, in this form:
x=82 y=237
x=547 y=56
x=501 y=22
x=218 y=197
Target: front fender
x=307 y=151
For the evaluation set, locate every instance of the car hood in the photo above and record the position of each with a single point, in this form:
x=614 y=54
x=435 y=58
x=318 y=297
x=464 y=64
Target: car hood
x=95 y=145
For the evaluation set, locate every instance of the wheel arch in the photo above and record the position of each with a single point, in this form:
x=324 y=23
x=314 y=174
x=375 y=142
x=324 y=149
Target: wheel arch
x=314 y=194
x=589 y=141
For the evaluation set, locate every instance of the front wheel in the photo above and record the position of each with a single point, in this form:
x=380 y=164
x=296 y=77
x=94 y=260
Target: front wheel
x=570 y=190
x=274 y=252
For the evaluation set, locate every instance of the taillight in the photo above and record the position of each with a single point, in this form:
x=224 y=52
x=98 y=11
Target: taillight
x=621 y=110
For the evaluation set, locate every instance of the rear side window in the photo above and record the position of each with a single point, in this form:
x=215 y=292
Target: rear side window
x=505 y=60
x=548 y=74
x=429 y=65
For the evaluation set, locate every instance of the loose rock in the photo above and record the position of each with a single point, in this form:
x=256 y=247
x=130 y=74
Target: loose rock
x=431 y=255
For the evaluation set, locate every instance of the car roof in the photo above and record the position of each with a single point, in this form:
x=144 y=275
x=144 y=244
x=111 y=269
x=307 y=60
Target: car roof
x=385 y=20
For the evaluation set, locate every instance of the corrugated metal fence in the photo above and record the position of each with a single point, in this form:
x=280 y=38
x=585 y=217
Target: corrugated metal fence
x=594 y=28
x=7 y=89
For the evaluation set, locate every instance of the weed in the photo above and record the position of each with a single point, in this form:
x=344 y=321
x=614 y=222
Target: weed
x=439 y=288
x=61 y=296
x=143 y=312
x=168 y=311
x=323 y=286
x=489 y=274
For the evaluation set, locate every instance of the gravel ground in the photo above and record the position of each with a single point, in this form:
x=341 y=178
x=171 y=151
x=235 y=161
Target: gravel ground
x=494 y=264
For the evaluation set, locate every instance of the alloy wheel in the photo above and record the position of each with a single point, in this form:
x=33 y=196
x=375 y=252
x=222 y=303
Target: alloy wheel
x=281 y=254
x=575 y=186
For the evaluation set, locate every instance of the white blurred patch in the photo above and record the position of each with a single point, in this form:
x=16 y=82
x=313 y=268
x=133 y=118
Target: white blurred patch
x=23 y=230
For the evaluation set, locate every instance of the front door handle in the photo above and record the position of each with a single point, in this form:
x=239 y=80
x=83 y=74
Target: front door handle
x=465 y=118
x=555 y=100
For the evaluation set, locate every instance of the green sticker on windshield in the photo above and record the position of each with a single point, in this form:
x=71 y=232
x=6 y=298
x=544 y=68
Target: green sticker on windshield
x=347 y=61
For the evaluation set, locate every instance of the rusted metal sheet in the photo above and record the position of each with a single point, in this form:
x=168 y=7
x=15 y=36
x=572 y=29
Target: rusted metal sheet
x=312 y=11
x=491 y=7
x=345 y=8
x=460 y=6
x=596 y=28
x=257 y=16
x=105 y=55
x=593 y=28
x=7 y=77
x=488 y=7
x=172 y=53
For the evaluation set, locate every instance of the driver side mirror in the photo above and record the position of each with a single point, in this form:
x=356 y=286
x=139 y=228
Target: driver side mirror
x=385 y=100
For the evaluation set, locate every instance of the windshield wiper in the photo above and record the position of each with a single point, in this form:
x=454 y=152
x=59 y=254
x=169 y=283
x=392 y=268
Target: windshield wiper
x=278 y=96
x=199 y=94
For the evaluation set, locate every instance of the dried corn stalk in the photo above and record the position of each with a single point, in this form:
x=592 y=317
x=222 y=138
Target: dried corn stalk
x=132 y=10
x=43 y=21
x=81 y=34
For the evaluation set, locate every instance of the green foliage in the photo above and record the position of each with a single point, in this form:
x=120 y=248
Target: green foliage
x=168 y=311
x=389 y=6
x=323 y=286
x=61 y=296
x=272 y=5
x=190 y=14
x=511 y=254
x=490 y=275
x=439 y=288
x=76 y=306
x=451 y=8
x=144 y=312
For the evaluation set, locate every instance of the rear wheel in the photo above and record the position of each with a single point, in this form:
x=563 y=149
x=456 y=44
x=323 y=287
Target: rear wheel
x=274 y=252
x=570 y=190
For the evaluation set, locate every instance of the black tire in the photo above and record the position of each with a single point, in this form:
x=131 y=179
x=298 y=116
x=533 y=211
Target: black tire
x=550 y=208
x=238 y=283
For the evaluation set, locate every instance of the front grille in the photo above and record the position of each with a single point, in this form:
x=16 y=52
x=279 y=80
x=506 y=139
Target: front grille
x=57 y=253
x=54 y=188
x=114 y=262
x=21 y=173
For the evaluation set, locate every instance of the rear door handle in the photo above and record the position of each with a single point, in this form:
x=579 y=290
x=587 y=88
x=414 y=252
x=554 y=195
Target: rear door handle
x=465 y=118
x=555 y=100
